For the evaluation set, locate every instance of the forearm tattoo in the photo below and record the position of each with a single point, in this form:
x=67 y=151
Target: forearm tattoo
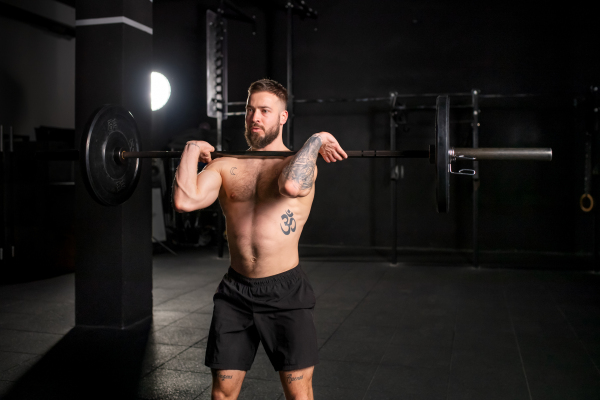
x=301 y=170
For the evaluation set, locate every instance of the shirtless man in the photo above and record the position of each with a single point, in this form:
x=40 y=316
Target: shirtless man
x=265 y=296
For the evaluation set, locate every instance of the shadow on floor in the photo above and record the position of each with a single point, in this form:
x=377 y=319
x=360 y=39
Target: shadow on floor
x=87 y=363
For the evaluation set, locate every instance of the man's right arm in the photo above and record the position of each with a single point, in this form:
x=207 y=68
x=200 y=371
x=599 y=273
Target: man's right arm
x=298 y=176
x=193 y=191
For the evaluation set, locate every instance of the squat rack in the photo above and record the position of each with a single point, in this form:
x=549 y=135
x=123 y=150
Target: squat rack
x=218 y=105
x=394 y=108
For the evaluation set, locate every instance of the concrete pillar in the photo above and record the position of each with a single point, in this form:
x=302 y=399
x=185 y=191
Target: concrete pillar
x=113 y=278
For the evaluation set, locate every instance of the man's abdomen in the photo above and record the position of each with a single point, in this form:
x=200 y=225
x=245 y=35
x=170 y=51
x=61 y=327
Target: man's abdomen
x=262 y=242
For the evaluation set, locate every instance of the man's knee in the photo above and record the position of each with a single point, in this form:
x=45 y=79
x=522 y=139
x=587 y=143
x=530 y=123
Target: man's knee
x=226 y=384
x=219 y=394
x=303 y=396
x=297 y=385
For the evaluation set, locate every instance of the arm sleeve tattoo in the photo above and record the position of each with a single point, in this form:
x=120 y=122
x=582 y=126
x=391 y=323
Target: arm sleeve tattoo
x=301 y=169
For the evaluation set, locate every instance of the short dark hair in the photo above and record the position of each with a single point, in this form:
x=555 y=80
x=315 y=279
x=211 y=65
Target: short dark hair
x=271 y=86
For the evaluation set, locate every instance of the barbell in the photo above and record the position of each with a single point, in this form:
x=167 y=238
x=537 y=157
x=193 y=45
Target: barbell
x=110 y=155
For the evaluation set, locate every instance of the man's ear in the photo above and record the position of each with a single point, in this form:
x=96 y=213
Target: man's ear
x=283 y=116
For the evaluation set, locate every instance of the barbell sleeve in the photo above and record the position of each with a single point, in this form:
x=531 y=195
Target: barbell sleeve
x=534 y=154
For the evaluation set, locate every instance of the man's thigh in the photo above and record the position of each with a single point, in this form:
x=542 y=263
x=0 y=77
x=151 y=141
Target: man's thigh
x=227 y=383
x=297 y=384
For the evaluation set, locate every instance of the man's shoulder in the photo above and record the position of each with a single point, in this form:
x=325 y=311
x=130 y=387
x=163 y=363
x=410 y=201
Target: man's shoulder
x=218 y=164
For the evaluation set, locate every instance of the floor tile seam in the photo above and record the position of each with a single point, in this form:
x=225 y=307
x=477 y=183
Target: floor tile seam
x=334 y=281
x=452 y=345
x=384 y=272
x=41 y=300
x=20 y=330
x=353 y=271
x=378 y=365
x=15 y=366
x=370 y=341
x=175 y=344
x=258 y=379
x=21 y=352
x=332 y=386
x=163 y=363
x=203 y=391
x=516 y=337
x=381 y=363
x=37 y=331
x=181 y=370
x=327 y=289
x=581 y=343
x=189 y=312
x=45 y=316
x=165 y=301
x=190 y=291
x=177 y=320
x=33 y=314
x=348 y=362
x=346 y=317
x=381 y=342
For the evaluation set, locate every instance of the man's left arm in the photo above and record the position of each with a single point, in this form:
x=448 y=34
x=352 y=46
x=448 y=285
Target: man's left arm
x=298 y=176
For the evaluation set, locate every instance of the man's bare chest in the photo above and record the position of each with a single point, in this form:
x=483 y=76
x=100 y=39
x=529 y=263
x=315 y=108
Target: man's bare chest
x=252 y=181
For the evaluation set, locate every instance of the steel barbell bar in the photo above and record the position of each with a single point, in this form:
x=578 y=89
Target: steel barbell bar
x=110 y=152
x=501 y=153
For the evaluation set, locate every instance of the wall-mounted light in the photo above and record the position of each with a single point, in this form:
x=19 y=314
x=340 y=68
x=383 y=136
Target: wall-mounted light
x=160 y=90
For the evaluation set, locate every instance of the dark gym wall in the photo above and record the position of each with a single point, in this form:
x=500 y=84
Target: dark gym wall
x=369 y=49
x=180 y=54
x=37 y=70
x=37 y=88
x=415 y=47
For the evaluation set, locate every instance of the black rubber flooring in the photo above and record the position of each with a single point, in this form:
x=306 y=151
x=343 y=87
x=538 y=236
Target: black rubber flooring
x=417 y=331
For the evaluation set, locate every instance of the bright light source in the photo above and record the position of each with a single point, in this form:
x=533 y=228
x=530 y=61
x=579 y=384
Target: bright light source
x=160 y=90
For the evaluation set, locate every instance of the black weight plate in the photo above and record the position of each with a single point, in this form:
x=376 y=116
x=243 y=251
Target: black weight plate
x=110 y=181
x=442 y=134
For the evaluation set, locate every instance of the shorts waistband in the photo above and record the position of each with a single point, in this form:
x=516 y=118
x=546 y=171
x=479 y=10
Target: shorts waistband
x=287 y=276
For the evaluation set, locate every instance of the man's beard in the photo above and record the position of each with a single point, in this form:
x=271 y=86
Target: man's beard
x=254 y=139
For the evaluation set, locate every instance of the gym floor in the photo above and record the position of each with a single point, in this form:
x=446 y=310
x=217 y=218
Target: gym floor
x=422 y=330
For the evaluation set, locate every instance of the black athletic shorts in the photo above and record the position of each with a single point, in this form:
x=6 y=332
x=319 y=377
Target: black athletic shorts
x=276 y=310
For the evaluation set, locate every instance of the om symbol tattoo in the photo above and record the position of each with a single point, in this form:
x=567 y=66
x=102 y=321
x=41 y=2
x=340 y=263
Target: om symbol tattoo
x=289 y=223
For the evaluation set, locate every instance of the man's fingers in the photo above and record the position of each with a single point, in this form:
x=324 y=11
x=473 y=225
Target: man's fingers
x=341 y=151
x=204 y=157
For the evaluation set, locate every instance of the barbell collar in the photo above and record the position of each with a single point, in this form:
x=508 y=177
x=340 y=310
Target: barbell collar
x=507 y=153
